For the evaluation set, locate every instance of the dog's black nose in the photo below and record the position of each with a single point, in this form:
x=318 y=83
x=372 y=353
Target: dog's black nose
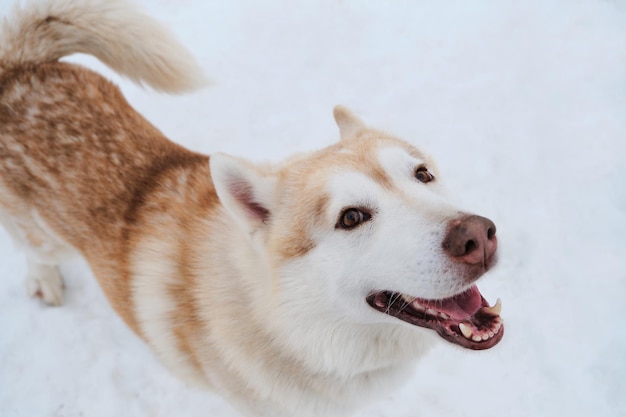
x=471 y=240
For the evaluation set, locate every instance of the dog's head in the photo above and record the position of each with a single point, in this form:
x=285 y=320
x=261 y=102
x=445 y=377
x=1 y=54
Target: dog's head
x=361 y=232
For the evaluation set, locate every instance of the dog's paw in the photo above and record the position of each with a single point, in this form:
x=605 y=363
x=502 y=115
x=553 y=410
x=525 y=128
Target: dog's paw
x=45 y=282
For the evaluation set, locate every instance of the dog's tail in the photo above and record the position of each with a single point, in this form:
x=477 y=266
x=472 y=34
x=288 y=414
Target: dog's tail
x=115 y=32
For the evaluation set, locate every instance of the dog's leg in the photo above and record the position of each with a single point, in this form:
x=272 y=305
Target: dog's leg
x=43 y=253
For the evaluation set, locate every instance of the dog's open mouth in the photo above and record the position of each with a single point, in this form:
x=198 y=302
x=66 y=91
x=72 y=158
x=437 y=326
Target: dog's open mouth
x=465 y=319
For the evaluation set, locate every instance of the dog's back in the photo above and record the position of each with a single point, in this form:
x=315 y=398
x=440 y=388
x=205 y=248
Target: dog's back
x=75 y=159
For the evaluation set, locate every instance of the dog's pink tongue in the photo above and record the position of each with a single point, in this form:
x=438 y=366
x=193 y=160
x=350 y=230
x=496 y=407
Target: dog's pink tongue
x=459 y=307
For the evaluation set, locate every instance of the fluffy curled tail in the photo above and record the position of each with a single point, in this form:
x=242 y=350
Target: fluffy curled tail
x=128 y=41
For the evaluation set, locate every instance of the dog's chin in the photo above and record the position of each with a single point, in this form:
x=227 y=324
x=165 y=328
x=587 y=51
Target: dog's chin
x=465 y=319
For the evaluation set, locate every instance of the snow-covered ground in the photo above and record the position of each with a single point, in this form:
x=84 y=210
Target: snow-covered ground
x=523 y=105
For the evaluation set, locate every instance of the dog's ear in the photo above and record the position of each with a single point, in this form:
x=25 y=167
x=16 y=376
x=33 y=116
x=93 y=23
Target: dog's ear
x=349 y=124
x=244 y=189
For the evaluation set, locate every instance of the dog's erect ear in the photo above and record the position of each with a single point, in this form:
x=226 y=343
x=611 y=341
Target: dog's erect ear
x=244 y=190
x=349 y=124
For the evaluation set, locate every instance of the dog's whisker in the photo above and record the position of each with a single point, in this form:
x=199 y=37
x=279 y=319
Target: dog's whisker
x=391 y=301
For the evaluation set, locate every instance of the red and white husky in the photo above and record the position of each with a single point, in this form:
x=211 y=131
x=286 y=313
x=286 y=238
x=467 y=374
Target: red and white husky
x=296 y=289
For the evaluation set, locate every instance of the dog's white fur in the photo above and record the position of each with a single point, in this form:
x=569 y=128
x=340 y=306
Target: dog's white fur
x=234 y=273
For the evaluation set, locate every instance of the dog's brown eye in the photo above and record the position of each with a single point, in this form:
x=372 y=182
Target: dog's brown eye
x=351 y=218
x=423 y=175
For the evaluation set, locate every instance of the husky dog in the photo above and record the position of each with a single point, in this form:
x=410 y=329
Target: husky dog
x=297 y=289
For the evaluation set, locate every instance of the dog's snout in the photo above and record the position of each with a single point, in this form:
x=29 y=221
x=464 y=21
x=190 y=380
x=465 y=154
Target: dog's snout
x=471 y=240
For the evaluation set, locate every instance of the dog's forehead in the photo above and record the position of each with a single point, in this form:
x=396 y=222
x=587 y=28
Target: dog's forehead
x=373 y=157
x=370 y=143
x=379 y=157
x=379 y=166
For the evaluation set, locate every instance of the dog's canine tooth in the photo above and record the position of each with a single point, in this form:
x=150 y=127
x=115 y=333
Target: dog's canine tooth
x=465 y=330
x=495 y=310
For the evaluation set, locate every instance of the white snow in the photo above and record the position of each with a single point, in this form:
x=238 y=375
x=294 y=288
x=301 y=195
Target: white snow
x=522 y=103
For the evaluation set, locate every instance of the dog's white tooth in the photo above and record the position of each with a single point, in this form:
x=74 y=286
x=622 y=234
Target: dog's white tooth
x=444 y=316
x=431 y=311
x=491 y=334
x=417 y=306
x=496 y=330
x=477 y=338
x=380 y=303
x=486 y=336
x=465 y=330
x=495 y=310
x=498 y=325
